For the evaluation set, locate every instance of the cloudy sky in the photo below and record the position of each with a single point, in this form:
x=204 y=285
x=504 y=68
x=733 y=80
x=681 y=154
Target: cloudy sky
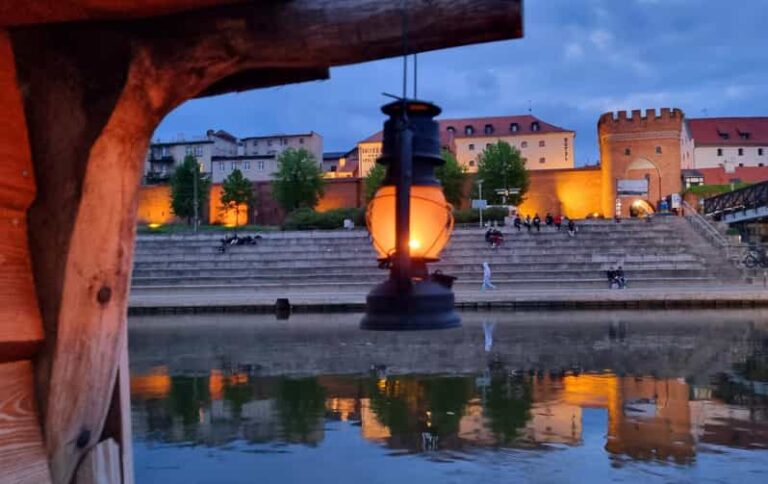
x=577 y=60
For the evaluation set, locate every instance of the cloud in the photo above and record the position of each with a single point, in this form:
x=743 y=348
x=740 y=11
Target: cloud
x=573 y=51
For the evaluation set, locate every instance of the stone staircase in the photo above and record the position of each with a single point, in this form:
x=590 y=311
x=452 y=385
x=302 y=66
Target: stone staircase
x=662 y=253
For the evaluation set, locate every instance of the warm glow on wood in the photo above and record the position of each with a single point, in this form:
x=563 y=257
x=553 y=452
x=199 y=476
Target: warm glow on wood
x=431 y=221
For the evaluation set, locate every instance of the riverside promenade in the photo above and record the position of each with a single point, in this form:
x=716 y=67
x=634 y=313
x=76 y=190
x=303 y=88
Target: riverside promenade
x=196 y=299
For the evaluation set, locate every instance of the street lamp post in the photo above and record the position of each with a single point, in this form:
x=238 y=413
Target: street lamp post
x=480 y=197
x=410 y=223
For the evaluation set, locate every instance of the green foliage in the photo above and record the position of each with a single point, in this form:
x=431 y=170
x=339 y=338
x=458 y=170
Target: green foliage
x=507 y=405
x=298 y=182
x=705 y=191
x=501 y=166
x=373 y=180
x=308 y=219
x=182 y=189
x=235 y=191
x=492 y=214
x=451 y=176
x=300 y=406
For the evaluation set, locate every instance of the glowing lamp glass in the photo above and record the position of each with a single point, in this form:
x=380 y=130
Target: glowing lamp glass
x=431 y=221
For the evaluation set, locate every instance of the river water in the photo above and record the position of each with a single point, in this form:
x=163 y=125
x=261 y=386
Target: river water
x=628 y=396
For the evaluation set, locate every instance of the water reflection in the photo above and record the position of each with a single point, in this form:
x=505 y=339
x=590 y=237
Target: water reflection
x=646 y=417
x=654 y=392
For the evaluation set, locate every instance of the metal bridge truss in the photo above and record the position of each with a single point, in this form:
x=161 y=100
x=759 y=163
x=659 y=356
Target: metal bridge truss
x=740 y=205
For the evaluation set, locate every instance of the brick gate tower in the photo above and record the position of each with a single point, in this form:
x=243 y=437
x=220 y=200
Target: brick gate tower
x=637 y=147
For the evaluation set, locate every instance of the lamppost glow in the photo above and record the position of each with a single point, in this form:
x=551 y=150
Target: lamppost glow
x=410 y=223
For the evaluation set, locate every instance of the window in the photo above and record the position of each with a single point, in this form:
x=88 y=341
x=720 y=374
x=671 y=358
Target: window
x=301 y=141
x=658 y=150
x=471 y=147
x=542 y=160
x=535 y=126
x=514 y=127
x=761 y=164
x=269 y=142
x=284 y=141
x=198 y=151
x=741 y=151
x=232 y=166
x=166 y=151
x=542 y=144
x=451 y=130
x=255 y=142
x=188 y=150
x=719 y=152
x=759 y=152
x=260 y=165
x=741 y=165
x=469 y=130
x=723 y=135
x=488 y=145
x=524 y=144
x=488 y=129
x=247 y=165
x=744 y=135
x=627 y=152
x=222 y=167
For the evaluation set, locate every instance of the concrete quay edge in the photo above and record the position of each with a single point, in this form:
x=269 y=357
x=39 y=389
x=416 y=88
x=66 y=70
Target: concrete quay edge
x=738 y=296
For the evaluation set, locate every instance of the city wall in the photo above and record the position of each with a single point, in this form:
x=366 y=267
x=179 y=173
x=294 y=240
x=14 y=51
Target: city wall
x=155 y=203
x=574 y=193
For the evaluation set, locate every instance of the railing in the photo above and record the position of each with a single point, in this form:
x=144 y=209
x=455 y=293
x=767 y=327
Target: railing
x=706 y=229
x=744 y=198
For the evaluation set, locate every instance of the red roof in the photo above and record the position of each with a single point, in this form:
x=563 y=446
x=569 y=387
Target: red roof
x=492 y=127
x=744 y=174
x=729 y=131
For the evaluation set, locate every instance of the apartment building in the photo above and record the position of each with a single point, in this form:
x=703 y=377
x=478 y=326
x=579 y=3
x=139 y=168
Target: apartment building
x=273 y=145
x=164 y=156
x=729 y=142
x=544 y=146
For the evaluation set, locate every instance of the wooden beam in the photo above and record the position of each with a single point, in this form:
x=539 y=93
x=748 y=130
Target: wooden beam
x=21 y=331
x=101 y=465
x=25 y=12
x=94 y=94
x=22 y=453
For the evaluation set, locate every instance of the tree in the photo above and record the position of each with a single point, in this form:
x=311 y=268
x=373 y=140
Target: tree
x=183 y=189
x=501 y=166
x=298 y=182
x=373 y=180
x=236 y=190
x=451 y=176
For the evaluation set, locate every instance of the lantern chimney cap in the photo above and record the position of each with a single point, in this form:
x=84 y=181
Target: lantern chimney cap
x=413 y=107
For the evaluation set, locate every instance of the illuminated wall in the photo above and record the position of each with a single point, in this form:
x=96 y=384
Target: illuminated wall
x=574 y=193
x=155 y=205
x=218 y=215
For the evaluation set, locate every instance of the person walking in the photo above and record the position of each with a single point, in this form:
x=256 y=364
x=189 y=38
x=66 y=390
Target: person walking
x=487 y=284
x=537 y=222
x=571 y=228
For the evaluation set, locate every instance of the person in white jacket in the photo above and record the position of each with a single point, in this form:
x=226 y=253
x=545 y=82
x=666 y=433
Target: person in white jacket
x=487 y=277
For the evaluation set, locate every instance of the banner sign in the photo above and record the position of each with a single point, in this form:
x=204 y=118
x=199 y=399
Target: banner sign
x=632 y=187
x=480 y=204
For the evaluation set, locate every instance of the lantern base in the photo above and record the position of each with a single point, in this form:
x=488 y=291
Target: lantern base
x=426 y=305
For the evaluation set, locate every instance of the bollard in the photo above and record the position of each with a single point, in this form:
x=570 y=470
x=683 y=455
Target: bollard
x=282 y=308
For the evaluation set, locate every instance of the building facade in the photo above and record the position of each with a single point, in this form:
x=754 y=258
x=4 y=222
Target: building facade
x=273 y=145
x=729 y=142
x=164 y=156
x=544 y=146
